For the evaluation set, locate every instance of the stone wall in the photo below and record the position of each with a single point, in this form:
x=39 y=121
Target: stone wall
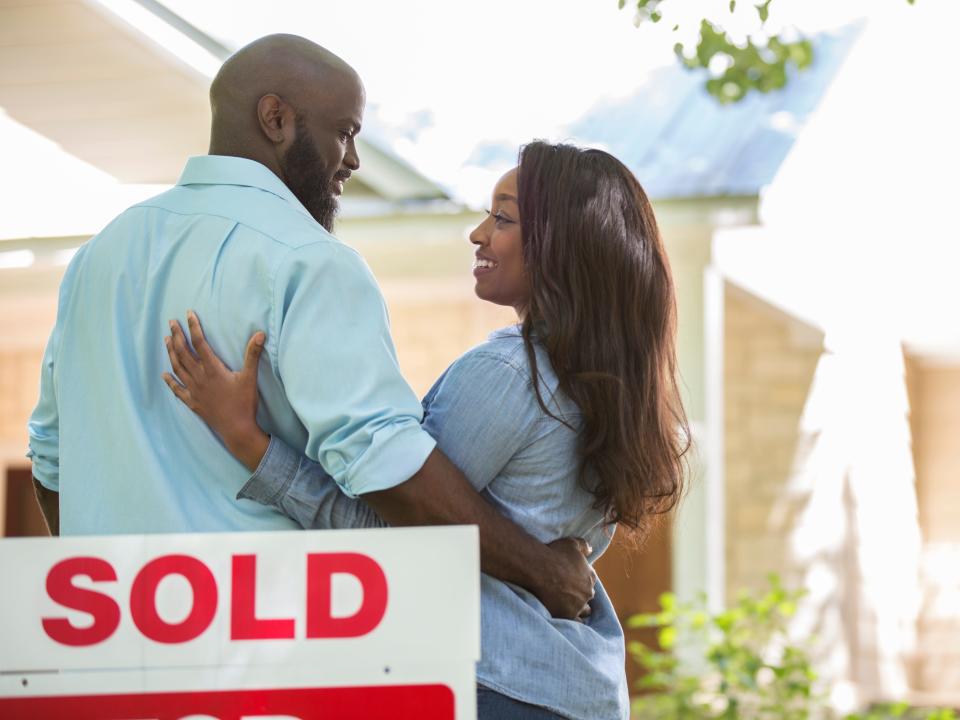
x=843 y=476
x=935 y=421
x=769 y=364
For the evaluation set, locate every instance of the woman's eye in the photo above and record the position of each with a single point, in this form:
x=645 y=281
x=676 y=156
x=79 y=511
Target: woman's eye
x=499 y=218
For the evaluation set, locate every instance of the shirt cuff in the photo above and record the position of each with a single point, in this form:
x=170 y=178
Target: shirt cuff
x=392 y=458
x=47 y=473
x=270 y=481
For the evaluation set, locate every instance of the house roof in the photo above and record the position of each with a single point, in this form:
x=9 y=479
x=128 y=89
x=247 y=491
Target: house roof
x=122 y=85
x=681 y=143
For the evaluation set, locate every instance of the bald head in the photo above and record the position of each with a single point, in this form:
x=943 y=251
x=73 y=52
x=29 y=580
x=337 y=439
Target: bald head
x=295 y=107
x=295 y=69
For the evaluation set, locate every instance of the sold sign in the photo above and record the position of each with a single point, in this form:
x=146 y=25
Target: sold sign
x=216 y=625
x=244 y=624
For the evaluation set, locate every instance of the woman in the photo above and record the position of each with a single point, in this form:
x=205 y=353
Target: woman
x=570 y=422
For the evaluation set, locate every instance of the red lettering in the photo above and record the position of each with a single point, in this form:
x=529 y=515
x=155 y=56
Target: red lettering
x=244 y=623
x=103 y=608
x=143 y=599
x=320 y=569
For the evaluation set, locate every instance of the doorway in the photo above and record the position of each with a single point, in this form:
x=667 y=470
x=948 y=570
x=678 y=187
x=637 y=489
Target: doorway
x=22 y=514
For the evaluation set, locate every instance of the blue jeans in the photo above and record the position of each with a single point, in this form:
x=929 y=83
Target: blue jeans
x=492 y=705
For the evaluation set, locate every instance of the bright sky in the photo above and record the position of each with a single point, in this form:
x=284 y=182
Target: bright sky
x=443 y=76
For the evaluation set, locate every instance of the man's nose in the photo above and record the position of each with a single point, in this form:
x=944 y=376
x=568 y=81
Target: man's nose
x=352 y=158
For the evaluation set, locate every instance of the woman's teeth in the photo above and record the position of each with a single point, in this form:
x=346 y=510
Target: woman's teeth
x=482 y=263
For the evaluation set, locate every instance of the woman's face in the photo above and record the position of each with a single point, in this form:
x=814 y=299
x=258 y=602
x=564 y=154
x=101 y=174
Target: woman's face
x=498 y=265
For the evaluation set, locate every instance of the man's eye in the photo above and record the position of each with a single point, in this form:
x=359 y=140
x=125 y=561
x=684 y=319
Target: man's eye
x=344 y=136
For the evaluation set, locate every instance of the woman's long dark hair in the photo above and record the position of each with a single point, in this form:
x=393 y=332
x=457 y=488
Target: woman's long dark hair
x=602 y=304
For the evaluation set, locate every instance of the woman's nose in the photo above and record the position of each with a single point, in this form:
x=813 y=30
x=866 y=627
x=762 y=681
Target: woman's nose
x=476 y=235
x=480 y=235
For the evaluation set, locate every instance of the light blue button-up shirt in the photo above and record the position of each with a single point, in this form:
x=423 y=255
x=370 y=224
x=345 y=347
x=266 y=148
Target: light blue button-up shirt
x=486 y=419
x=233 y=243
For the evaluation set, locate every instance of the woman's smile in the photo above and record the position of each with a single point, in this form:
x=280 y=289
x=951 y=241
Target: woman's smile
x=483 y=265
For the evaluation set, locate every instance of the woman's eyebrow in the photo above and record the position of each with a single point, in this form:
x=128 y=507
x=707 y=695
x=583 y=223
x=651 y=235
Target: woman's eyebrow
x=505 y=196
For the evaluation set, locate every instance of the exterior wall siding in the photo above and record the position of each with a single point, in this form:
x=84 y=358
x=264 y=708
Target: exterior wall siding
x=935 y=421
x=769 y=364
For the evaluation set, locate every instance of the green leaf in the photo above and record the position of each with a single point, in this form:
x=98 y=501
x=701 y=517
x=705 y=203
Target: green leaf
x=621 y=4
x=801 y=53
x=667 y=637
x=733 y=5
x=712 y=41
x=763 y=10
x=787 y=608
x=636 y=648
x=643 y=620
x=656 y=16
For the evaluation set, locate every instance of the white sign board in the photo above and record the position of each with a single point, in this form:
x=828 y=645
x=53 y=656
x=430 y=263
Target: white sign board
x=332 y=624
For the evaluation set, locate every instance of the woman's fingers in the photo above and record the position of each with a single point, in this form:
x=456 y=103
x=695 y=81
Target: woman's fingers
x=254 y=348
x=179 y=390
x=207 y=355
x=183 y=352
x=178 y=368
x=192 y=368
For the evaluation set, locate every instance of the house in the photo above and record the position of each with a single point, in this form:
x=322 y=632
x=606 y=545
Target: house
x=811 y=238
x=856 y=247
x=813 y=244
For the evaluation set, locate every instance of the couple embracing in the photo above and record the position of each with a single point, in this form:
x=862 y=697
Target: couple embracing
x=547 y=436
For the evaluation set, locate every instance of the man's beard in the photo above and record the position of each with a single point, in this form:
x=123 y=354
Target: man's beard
x=306 y=176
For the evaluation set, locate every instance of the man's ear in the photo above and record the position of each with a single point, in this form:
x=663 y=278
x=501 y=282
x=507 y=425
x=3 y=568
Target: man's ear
x=276 y=119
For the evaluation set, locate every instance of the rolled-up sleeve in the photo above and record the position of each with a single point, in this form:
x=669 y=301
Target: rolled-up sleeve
x=304 y=492
x=43 y=428
x=340 y=373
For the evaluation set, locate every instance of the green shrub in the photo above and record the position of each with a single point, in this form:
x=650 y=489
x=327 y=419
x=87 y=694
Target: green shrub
x=736 y=664
x=890 y=711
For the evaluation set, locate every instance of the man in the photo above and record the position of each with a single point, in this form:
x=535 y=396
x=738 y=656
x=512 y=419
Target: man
x=244 y=239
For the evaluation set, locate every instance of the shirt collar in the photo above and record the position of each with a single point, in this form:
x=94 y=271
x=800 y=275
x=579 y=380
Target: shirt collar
x=509 y=331
x=228 y=170
x=516 y=330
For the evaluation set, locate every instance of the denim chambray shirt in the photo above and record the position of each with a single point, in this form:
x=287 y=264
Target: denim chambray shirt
x=485 y=417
